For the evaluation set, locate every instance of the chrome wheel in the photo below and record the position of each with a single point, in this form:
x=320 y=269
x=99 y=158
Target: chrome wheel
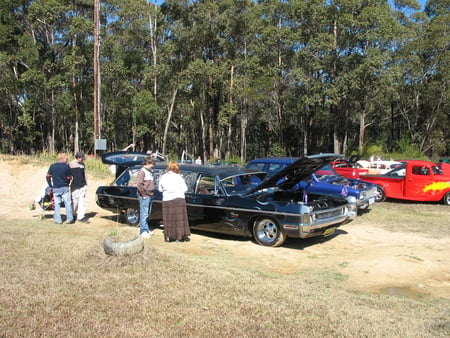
x=132 y=217
x=268 y=232
x=380 y=196
x=446 y=199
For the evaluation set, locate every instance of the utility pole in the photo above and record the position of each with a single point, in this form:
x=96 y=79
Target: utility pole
x=97 y=81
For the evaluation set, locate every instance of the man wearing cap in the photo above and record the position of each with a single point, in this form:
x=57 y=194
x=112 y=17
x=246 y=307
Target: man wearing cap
x=58 y=178
x=79 y=187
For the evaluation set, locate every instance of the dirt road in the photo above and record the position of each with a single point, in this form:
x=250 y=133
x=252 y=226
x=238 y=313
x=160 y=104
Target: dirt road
x=372 y=259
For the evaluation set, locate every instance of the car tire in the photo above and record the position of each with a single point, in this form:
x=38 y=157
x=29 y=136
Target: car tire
x=446 y=198
x=380 y=195
x=267 y=232
x=131 y=217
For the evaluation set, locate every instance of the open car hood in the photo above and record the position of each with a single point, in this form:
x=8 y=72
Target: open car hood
x=299 y=170
x=124 y=158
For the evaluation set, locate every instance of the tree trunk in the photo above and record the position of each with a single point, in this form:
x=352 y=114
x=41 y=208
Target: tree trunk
x=169 y=117
x=362 y=129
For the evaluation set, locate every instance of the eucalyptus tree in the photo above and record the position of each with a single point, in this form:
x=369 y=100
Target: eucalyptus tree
x=14 y=60
x=48 y=94
x=196 y=40
x=424 y=63
x=273 y=47
x=44 y=38
x=129 y=56
x=355 y=46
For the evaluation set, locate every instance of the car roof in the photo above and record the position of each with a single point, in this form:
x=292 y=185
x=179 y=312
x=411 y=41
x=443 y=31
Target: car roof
x=221 y=171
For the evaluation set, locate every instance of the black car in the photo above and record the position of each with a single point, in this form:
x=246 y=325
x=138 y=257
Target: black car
x=241 y=202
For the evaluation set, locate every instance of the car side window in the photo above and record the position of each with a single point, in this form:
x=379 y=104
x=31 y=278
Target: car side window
x=205 y=185
x=420 y=170
x=190 y=179
x=127 y=178
x=256 y=166
x=273 y=168
x=436 y=170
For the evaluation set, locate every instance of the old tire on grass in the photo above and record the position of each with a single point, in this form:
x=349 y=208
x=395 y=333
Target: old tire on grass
x=123 y=248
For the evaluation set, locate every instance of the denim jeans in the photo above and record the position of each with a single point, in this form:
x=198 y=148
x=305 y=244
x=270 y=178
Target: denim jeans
x=145 y=209
x=60 y=195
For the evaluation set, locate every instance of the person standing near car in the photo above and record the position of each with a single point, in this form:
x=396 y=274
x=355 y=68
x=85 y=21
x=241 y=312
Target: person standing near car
x=79 y=187
x=58 y=178
x=173 y=188
x=145 y=187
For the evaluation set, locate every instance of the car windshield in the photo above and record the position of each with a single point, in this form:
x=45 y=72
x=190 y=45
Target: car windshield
x=129 y=177
x=325 y=173
x=400 y=170
x=242 y=183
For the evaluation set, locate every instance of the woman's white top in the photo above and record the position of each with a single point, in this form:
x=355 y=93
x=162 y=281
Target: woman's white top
x=172 y=186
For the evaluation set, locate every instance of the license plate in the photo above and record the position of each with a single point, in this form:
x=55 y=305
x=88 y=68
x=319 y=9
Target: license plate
x=329 y=231
x=372 y=200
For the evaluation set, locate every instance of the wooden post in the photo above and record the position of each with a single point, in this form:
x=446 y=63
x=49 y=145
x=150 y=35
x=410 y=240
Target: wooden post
x=97 y=81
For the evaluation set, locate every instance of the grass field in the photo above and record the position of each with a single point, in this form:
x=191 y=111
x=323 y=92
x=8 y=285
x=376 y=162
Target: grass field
x=59 y=282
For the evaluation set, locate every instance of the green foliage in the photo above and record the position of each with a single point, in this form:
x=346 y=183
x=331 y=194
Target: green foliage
x=373 y=150
x=241 y=76
x=276 y=151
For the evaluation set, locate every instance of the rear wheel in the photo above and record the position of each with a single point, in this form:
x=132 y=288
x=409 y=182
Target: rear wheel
x=446 y=198
x=132 y=217
x=380 y=196
x=268 y=232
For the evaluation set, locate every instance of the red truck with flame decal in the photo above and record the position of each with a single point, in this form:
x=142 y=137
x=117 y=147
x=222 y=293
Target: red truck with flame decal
x=414 y=181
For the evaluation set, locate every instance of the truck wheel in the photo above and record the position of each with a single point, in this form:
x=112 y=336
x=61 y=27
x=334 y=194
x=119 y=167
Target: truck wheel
x=380 y=196
x=446 y=198
x=132 y=217
x=268 y=232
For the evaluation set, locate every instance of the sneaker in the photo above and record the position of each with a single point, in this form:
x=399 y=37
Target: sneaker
x=146 y=234
x=84 y=220
x=70 y=222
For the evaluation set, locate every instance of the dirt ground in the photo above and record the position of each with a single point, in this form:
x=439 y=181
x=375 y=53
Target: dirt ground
x=374 y=260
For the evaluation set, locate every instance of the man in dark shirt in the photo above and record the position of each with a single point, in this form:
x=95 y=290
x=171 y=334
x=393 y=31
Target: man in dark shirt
x=58 y=178
x=79 y=187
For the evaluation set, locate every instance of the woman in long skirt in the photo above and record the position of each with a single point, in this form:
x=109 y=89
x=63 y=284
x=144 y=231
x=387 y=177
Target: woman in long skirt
x=173 y=188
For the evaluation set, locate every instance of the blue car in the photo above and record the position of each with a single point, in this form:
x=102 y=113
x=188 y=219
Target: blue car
x=324 y=181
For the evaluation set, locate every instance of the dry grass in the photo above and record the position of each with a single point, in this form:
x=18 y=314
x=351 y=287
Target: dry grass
x=431 y=219
x=57 y=281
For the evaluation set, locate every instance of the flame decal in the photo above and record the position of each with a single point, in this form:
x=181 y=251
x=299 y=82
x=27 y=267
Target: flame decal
x=436 y=186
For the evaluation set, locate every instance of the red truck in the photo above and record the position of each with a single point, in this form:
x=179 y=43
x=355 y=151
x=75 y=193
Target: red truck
x=414 y=181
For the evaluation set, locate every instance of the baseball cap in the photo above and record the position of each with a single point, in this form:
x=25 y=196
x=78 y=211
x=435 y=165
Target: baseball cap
x=80 y=154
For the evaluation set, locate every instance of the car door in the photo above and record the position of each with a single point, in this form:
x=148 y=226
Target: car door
x=419 y=177
x=203 y=202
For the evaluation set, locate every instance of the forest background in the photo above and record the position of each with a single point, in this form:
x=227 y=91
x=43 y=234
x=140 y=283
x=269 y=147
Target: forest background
x=229 y=79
